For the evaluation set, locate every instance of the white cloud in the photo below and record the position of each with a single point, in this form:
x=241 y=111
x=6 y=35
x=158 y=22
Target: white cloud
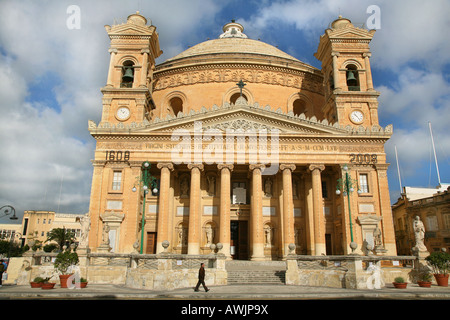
x=42 y=146
x=45 y=148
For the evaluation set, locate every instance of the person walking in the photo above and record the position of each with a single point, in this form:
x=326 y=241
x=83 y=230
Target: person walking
x=201 y=278
x=2 y=269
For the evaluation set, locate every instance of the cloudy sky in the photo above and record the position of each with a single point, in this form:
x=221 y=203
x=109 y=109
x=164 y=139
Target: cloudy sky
x=51 y=75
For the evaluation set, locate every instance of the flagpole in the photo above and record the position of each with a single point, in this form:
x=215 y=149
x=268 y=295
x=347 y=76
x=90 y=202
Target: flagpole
x=435 y=158
x=398 y=171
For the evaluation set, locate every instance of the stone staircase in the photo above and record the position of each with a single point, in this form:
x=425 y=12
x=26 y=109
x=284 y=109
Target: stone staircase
x=256 y=272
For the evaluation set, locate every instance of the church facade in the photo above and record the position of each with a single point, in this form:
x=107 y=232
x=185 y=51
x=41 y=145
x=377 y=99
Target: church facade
x=234 y=142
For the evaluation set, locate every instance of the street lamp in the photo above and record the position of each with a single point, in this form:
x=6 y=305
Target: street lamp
x=345 y=185
x=147 y=180
x=7 y=210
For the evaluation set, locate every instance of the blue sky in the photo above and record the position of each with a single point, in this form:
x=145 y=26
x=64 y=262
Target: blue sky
x=50 y=80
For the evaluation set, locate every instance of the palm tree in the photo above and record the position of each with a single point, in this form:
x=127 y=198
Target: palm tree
x=62 y=236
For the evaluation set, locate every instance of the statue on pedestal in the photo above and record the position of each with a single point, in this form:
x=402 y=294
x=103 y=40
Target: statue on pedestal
x=419 y=234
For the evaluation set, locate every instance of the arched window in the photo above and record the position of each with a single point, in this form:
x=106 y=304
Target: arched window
x=352 y=78
x=235 y=96
x=299 y=107
x=127 y=74
x=176 y=104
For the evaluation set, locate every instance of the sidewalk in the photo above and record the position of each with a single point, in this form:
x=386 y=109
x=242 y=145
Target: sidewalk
x=230 y=292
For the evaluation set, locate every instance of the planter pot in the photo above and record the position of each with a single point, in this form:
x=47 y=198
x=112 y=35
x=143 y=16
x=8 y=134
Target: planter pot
x=36 y=284
x=424 y=284
x=47 y=286
x=63 y=280
x=400 y=285
x=441 y=279
x=83 y=284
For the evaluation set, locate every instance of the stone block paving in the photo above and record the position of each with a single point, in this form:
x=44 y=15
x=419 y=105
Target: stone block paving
x=230 y=292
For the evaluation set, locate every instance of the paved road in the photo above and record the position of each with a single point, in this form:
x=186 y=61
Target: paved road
x=230 y=292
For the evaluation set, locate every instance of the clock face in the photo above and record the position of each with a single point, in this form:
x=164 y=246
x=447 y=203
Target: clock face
x=357 y=117
x=123 y=113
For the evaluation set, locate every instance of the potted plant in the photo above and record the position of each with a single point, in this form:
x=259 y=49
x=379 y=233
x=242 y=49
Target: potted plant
x=63 y=261
x=37 y=282
x=46 y=285
x=425 y=280
x=83 y=282
x=440 y=263
x=400 y=283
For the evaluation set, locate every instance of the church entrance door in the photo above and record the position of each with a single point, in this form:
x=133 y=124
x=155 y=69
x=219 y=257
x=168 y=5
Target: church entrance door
x=151 y=243
x=239 y=240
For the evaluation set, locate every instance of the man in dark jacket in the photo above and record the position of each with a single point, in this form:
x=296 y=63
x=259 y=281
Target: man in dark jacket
x=201 y=278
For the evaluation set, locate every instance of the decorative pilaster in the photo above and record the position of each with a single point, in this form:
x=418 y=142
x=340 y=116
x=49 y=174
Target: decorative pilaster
x=256 y=219
x=163 y=206
x=288 y=207
x=194 y=236
x=225 y=204
x=386 y=211
x=319 y=221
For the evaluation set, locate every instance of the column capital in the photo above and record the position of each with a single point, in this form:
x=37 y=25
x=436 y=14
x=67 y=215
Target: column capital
x=335 y=54
x=256 y=166
x=381 y=166
x=316 y=166
x=168 y=165
x=195 y=165
x=221 y=166
x=367 y=55
x=286 y=166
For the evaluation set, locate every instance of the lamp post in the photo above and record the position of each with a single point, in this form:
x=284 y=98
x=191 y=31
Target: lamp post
x=345 y=185
x=7 y=211
x=147 y=180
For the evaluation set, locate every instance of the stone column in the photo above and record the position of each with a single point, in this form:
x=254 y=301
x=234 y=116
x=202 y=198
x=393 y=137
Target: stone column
x=144 y=70
x=256 y=218
x=335 y=55
x=309 y=215
x=288 y=207
x=163 y=205
x=194 y=234
x=112 y=61
x=225 y=203
x=368 y=71
x=388 y=231
x=319 y=220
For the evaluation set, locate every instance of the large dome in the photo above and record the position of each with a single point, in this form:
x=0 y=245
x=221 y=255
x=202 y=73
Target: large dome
x=233 y=46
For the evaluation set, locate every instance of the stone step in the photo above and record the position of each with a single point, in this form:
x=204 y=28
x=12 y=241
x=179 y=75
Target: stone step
x=256 y=277
x=255 y=265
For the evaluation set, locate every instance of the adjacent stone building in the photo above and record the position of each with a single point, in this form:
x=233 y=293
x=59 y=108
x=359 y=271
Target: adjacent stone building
x=246 y=147
x=432 y=206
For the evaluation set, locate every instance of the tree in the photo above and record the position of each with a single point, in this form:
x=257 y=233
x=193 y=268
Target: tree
x=61 y=236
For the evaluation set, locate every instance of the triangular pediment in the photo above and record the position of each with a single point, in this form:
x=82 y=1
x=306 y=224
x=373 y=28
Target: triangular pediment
x=351 y=33
x=241 y=118
x=128 y=29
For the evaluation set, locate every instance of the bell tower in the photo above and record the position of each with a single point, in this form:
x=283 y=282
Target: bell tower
x=344 y=52
x=127 y=96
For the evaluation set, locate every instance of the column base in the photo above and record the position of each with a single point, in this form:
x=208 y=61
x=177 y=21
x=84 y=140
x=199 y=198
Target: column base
x=320 y=249
x=194 y=248
x=226 y=250
x=258 y=252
